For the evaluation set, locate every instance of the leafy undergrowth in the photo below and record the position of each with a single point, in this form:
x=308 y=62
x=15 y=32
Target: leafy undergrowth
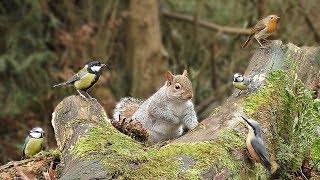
x=286 y=106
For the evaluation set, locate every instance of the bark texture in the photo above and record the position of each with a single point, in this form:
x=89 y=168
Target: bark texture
x=146 y=55
x=92 y=148
x=72 y=118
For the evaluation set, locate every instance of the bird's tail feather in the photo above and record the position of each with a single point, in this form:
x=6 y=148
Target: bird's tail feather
x=246 y=43
x=61 y=84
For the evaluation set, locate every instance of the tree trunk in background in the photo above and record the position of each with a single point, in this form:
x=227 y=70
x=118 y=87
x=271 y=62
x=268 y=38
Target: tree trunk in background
x=92 y=148
x=145 y=58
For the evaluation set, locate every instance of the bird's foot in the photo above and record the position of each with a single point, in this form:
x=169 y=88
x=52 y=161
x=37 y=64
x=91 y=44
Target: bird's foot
x=91 y=98
x=81 y=95
x=239 y=93
x=263 y=47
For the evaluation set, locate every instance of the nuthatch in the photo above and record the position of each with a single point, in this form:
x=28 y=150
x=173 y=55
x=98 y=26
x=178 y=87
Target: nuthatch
x=255 y=144
x=241 y=82
x=33 y=143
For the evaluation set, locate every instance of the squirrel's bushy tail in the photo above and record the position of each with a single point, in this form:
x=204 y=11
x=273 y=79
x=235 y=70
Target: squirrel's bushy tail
x=126 y=107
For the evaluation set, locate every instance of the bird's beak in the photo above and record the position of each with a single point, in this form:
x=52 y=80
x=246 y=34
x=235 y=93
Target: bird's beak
x=247 y=121
x=278 y=18
x=102 y=65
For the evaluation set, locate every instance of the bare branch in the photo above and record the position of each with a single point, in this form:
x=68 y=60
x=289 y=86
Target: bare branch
x=206 y=24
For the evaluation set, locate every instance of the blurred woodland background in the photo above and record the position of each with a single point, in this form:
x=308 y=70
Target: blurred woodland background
x=44 y=42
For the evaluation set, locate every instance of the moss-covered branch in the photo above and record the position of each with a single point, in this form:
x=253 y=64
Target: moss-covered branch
x=92 y=148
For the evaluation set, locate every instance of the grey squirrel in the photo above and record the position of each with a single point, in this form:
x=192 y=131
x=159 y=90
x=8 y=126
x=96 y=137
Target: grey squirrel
x=166 y=112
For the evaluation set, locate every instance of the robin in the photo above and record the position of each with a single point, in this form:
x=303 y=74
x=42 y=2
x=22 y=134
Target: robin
x=263 y=29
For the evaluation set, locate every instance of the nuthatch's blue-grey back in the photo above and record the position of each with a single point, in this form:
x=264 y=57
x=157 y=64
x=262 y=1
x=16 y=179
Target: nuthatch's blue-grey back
x=255 y=144
x=33 y=143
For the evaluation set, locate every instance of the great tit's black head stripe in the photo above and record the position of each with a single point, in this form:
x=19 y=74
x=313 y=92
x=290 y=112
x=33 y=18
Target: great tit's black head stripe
x=237 y=77
x=36 y=132
x=96 y=68
x=94 y=63
x=37 y=129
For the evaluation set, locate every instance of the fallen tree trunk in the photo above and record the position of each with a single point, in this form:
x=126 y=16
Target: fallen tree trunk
x=92 y=148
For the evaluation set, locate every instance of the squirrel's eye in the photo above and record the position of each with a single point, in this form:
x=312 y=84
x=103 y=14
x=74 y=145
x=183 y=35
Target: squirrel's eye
x=177 y=86
x=271 y=17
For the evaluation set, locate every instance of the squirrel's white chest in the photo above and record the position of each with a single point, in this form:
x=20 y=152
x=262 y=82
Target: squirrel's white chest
x=177 y=109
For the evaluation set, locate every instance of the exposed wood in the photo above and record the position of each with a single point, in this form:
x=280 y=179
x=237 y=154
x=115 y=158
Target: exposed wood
x=71 y=120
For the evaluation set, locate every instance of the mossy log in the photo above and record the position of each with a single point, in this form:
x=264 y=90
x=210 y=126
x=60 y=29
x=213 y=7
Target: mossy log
x=92 y=148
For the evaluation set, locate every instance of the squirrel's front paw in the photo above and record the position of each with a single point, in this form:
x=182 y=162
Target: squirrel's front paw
x=190 y=123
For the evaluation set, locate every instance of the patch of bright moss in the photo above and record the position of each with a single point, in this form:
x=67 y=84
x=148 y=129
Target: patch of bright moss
x=54 y=153
x=127 y=158
x=214 y=155
x=289 y=106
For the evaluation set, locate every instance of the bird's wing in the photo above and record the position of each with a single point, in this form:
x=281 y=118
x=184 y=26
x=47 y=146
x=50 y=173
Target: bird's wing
x=76 y=77
x=24 y=145
x=261 y=150
x=247 y=81
x=258 y=27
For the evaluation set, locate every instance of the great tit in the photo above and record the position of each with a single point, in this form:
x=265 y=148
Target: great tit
x=85 y=78
x=241 y=82
x=33 y=143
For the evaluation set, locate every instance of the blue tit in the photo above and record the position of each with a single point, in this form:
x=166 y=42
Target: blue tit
x=33 y=143
x=255 y=144
x=241 y=82
x=85 y=78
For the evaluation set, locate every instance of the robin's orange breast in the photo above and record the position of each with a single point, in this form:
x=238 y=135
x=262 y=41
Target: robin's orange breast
x=271 y=27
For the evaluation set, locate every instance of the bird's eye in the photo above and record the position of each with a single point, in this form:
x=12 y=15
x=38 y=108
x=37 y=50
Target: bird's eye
x=177 y=86
x=271 y=17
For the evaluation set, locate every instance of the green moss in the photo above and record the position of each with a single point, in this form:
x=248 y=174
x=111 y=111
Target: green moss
x=279 y=101
x=289 y=106
x=54 y=153
x=127 y=158
x=195 y=158
x=234 y=139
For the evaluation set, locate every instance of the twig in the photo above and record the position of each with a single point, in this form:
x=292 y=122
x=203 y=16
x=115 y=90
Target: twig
x=206 y=24
x=18 y=163
x=302 y=175
x=313 y=166
x=20 y=173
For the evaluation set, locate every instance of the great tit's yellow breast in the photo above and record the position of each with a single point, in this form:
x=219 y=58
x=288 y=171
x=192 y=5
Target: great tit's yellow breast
x=240 y=85
x=33 y=147
x=85 y=81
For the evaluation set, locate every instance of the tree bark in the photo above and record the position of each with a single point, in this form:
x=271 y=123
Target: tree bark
x=146 y=55
x=72 y=118
x=92 y=148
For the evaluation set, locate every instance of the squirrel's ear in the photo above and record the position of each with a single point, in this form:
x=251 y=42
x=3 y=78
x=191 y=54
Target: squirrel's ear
x=185 y=73
x=169 y=76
